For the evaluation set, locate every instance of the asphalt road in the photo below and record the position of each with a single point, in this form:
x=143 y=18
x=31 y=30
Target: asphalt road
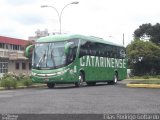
x=101 y=98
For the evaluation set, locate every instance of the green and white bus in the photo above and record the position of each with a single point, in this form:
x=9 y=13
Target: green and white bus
x=61 y=59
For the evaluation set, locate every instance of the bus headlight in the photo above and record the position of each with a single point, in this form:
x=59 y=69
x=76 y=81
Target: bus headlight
x=59 y=73
x=62 y=72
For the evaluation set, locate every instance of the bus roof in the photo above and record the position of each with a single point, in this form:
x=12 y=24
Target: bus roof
x=65 y=37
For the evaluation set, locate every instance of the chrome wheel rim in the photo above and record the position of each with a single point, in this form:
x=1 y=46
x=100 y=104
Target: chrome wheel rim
x=115 y=79
x=80 y=80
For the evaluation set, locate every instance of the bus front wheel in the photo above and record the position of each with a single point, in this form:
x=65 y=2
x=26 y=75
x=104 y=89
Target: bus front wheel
x=80 y=80
x=50 y=85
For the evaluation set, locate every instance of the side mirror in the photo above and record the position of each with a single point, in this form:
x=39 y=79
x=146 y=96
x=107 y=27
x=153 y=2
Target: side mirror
x=29 y=50
x=67 y=46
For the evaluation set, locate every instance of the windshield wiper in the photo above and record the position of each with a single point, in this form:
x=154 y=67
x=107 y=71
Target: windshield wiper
x=53 y=58
x=47 y=54
x=41 y=59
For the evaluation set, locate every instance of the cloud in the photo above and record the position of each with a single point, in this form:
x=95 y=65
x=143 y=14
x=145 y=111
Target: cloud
x=23 y=12
x=98 y=18
x=6 y=31
x=11 y=32
x=29 y=19
x=20 y=2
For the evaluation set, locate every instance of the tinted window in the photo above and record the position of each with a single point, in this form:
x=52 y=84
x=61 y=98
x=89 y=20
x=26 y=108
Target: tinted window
x=100 y=49
x=72 y=50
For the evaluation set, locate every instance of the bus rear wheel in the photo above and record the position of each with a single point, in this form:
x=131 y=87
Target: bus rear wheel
x=80 y=80
x=115 y=79
x=50 y=85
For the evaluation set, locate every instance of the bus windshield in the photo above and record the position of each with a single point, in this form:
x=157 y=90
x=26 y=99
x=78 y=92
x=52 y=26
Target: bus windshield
x=49 y=55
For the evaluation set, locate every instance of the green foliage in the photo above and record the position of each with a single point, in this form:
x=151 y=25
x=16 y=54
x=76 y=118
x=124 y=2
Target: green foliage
x=145 y=82
x=158 y=76
x=149 y=77
x=143 y=57
x=27 y=81
x=145 y=49
x=9 y=81
x=20 y=77
x=146 y=77
x=148 y=31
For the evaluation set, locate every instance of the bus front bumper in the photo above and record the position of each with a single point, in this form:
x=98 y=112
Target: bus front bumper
x=59 y=77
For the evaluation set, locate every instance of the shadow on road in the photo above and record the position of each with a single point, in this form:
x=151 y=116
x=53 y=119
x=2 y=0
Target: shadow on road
x=71 y=86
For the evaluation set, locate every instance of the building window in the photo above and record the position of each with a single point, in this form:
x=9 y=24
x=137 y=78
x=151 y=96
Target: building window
x=17 y=66
x=23 y=66
x=1 y=45
x=3 y=66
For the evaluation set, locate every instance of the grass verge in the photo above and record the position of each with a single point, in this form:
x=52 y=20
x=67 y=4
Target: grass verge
x=142 y=82
x=143 y=85
x=145 y=82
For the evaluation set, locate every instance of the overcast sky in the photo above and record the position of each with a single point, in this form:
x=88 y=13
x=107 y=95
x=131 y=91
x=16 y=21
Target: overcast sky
x=107 y=19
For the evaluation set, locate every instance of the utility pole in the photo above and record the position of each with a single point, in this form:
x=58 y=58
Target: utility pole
x=123 y=39
x=60 y=13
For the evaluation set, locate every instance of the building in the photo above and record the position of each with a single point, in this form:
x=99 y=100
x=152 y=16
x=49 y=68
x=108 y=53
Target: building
x=12 y=57
x=41 y=33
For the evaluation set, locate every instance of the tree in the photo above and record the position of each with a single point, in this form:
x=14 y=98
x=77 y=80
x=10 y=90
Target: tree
x=144 y=57
x=148 y=31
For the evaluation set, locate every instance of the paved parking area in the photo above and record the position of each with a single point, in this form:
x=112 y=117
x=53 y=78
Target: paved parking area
x=102 y=98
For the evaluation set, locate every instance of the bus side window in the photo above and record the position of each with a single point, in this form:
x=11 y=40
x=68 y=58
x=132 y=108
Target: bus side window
x=102 y=50
x=84 y=49
x=93 y=52
x=115 y=52
x=71 y=55
x=118 y=55
x=103 y=53
x=83 y=52
x=72 y=51
x=90 y=52
x=107 y=51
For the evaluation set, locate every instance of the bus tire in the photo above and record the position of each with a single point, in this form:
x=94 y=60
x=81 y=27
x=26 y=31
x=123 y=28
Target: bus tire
x=50 y=85
x=115 y=79
x=80 y=80
x=91 y=83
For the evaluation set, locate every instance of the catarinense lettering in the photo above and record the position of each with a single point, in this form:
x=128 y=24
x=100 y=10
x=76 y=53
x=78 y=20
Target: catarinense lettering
x=95 y=61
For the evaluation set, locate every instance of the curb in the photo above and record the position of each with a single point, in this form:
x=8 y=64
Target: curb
x=25 y=87
x=1 y=88
x=143 y=85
